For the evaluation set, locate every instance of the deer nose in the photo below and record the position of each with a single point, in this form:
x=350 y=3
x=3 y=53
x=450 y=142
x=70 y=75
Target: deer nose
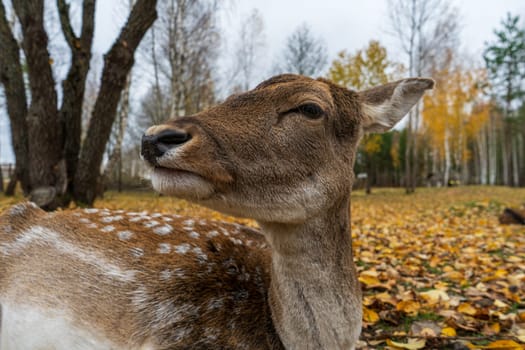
x=156 y=145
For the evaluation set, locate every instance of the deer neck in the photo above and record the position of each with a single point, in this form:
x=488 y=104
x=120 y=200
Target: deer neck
x=314 y=294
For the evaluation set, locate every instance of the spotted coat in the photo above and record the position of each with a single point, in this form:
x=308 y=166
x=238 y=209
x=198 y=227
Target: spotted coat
x=170 y=281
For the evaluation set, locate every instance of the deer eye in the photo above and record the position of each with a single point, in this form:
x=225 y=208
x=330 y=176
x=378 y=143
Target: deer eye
x=310 y=110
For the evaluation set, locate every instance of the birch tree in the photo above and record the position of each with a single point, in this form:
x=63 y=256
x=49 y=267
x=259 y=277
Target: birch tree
x=505 y=61
x=248 y=52
x=425 y=30
x=304 y=53
x=182 y=51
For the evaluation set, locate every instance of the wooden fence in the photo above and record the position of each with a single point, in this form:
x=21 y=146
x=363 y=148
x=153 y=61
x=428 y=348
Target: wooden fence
x=7 y=170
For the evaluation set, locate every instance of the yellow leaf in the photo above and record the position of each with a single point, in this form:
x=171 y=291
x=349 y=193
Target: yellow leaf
x=448 y=332
x=434 y=296
x=369 y=280
x=467 y=309
x=409 y=307
x=413 y=344
x=498 y=344
x=492 y=329
x=370 y=316
x=498 y=303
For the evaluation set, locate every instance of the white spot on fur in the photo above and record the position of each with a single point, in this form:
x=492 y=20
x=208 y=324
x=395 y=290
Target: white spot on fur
x=164 y=248
x=212 y=234
x=108 y=228
x=125 y=235
x=151 y=223
x=92 y=225
x=163 y=230
x=109 y=219
x=84 y=220
x=200 y=254
x=182 y=248
x=166 y=274
x=194 y=234
x=44 y=237
x=156 y=215
x=180 y=273
x=236 y=241
x=167 y=219
x=91 y=210
x=188 y=224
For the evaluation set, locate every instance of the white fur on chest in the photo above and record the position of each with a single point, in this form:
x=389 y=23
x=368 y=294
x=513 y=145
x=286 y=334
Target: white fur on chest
x=27 y=328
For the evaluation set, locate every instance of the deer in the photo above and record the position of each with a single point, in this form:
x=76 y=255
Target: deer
x=281 y=154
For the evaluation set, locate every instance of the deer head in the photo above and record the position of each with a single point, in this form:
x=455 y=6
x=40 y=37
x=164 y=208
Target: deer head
x=282 y=152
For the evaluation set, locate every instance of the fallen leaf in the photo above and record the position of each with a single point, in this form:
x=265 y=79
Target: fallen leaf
x=467 y=309
x=498 y=344
x=370 y=316
x=434 y=296
x=412 y=344
x=409 y=307
x=448 y=332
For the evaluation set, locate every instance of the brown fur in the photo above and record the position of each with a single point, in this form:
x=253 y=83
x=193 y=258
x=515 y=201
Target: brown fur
x=257 y=155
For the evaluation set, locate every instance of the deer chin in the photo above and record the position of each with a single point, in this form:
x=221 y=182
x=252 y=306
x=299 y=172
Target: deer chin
x=181 y=183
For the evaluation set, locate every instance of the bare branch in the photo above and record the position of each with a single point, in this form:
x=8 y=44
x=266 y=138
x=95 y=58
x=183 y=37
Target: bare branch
x=65 y=22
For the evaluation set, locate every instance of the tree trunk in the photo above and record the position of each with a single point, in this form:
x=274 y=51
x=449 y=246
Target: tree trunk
x=117 y=64
x=493 y=156
x=11 y=185
x=521 y=156
x=505 y=154
x=115 y=157
x=408 y=156
x=415 y=146
x=446 y=177
x=74 y=85
x=515 y=166
x=482 y=152
x=45 y=134
x=1 y=180
x=12 y=78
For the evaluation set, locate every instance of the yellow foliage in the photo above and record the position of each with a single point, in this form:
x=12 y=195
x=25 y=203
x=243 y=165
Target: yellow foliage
x=371 y=143
x=455 y=111
x=439 y=254
x=366 y=68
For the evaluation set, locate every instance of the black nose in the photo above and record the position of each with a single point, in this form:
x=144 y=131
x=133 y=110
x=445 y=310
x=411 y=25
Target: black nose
x=156 y=145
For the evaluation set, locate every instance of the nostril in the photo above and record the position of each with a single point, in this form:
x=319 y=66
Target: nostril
x=172 y=138
x=156 y=145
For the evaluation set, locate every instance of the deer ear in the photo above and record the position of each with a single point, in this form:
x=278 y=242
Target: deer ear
x=383 y=106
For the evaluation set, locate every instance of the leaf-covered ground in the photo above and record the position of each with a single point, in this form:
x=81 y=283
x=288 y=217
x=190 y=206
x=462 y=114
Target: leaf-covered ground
x=437 y=269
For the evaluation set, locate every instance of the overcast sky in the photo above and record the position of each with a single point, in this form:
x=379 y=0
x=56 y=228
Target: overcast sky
x=343 y=24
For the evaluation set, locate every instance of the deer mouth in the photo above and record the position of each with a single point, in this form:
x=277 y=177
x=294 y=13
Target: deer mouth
x=181 y=183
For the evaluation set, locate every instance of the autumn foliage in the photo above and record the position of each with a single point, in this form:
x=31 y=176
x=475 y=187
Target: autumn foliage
x=437 y=269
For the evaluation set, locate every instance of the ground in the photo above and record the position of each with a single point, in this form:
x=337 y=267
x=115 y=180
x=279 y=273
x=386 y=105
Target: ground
x=437 y=269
